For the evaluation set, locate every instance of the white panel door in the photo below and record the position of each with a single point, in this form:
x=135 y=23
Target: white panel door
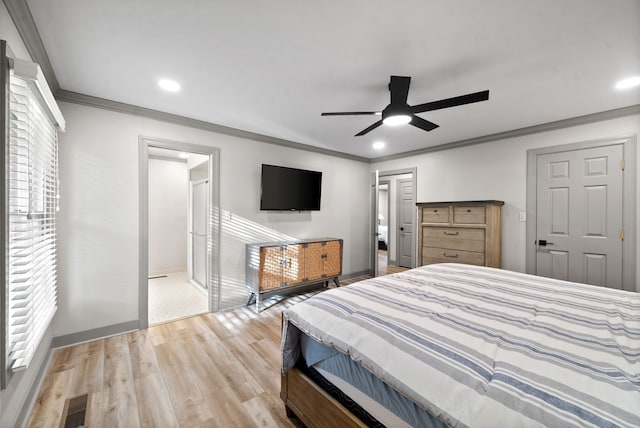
x=579 y=215
x=199 y=192
x=406 y=215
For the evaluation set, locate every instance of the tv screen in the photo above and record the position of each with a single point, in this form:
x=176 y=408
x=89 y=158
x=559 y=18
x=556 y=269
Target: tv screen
x=290 y=189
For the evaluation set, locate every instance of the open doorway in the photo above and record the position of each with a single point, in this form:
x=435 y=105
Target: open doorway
x=177 y=197
x=394 y=220
x=383 y=225
x=179 y=230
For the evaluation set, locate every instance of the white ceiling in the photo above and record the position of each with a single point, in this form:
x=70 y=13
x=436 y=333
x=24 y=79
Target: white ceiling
x=271 y=67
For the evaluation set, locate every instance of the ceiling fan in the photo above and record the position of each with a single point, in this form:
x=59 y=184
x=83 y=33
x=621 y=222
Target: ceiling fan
x=398 y=112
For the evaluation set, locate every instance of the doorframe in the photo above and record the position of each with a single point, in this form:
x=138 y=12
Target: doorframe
x=388 y=183
x=629 y=180
x=214 y=223
x=374 y=195
x=373 y=208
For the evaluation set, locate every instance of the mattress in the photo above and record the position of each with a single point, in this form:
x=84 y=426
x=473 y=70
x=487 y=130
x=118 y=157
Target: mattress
x=380 y=400
x=477 y=346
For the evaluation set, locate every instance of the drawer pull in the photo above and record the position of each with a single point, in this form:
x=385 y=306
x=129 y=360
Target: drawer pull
x=435 y=211
x=451 y=234
x=468 y=211
x=453 y=256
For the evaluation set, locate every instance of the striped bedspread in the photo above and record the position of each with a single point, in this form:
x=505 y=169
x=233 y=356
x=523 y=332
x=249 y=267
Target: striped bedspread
x=484 y=347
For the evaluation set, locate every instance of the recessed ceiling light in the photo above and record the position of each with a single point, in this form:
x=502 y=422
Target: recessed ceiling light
x=628 y=83
x=183 y=155
x=169 y=85
x=378 y=145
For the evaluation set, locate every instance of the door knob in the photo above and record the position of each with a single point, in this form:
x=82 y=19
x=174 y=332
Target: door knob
x=402 y=228
x=543 y=242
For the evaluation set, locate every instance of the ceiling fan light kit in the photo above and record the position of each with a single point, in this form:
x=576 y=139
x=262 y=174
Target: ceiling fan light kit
x=395 y=120
x=398 y=112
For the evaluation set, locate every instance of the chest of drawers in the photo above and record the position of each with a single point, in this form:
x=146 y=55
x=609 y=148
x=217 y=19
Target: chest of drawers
x=460 y=232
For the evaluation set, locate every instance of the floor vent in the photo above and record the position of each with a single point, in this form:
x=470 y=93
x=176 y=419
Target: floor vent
x=74 y=414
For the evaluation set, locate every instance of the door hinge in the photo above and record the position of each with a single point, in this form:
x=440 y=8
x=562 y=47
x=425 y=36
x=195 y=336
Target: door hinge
x=622 y=164
x=622 y=234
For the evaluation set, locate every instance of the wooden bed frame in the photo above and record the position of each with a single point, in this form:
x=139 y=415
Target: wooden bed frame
x=312 y=405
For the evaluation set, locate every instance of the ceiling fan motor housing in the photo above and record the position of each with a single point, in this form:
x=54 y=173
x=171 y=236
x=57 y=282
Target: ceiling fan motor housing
x=395 y=110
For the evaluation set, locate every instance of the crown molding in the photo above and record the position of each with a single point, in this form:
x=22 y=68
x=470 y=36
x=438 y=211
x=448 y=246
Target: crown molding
x=21 y=15
x=102 y=103
x=23 y=20
x=535 y=129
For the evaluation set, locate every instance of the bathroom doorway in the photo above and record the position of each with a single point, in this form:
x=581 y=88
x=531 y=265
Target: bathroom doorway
x=179 y=263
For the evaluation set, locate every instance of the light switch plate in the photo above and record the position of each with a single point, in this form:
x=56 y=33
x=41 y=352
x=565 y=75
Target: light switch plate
x=523 y=216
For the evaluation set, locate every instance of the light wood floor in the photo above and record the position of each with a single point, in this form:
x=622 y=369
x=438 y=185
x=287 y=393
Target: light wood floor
x=211 y=370
x=383 y=267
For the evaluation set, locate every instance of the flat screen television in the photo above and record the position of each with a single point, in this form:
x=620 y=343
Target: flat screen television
x=290 y=189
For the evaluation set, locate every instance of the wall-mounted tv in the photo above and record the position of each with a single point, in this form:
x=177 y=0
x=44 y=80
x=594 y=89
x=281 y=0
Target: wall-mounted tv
x=290 y=189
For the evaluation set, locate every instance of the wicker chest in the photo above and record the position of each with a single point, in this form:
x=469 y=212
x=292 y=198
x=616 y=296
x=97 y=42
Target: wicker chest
x=274 y=266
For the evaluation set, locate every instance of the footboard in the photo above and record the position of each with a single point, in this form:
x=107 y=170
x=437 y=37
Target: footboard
x=312 y=405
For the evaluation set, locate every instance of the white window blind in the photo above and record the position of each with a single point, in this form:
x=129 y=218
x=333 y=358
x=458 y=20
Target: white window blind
x=32 y=183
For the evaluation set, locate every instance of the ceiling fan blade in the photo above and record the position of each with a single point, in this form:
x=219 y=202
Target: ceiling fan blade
x=350 y=113
x=371 y=128
x=399 y=88
x=422 y=123
x=451 y=102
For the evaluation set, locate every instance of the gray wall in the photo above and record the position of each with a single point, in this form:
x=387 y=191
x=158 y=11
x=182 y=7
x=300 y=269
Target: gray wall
x=98 y=218
x=497 y=170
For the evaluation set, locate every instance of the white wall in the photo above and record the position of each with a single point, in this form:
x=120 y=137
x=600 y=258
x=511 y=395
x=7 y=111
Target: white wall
x=168 y=212
x=497 y=170
x=98 y=218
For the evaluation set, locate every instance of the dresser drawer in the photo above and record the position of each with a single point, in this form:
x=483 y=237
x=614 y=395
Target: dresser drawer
x=432 y=255
x=455 y=238
x=435 y=214
x=469 y=215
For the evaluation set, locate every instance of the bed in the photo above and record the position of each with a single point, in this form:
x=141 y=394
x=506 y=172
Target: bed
x=461 y=345
x=383 y=237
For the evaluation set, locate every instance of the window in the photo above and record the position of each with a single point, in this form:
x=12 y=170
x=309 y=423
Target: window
x=31 y=205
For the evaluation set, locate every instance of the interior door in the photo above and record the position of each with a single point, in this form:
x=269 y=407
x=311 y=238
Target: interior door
x=579 y=215
x=199 y=192
x=406 y=214
x=374 y=223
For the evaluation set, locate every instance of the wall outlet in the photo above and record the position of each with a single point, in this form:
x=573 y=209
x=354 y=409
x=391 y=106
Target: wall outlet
x=523 y=216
